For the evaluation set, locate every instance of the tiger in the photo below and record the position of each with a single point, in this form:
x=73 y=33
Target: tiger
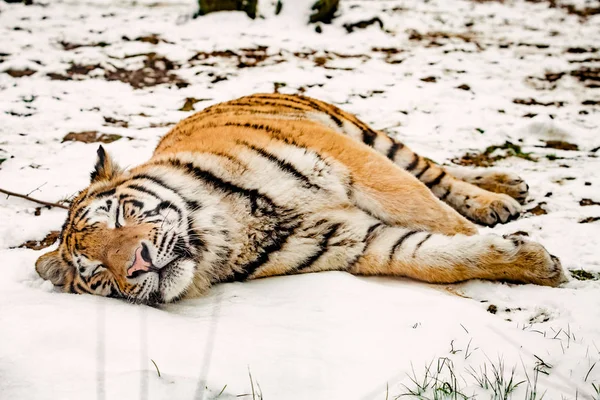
x=279 y=184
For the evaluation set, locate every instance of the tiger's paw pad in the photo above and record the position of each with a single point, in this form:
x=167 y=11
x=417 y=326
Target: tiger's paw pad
x=501 y=182
x=491 y=209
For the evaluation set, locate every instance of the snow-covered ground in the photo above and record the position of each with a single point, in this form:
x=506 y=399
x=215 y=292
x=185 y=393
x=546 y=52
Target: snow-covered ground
x=447 y=76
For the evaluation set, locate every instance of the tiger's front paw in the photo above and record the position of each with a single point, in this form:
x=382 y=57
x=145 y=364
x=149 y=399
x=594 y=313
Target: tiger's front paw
x=501 y=182
x=490 y=209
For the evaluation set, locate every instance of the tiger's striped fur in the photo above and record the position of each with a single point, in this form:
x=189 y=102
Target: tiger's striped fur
x=275 y=184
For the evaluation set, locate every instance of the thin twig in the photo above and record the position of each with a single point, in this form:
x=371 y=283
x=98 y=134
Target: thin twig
x=26 y=197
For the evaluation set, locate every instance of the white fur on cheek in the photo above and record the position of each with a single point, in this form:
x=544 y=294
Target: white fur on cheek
x=177 y=280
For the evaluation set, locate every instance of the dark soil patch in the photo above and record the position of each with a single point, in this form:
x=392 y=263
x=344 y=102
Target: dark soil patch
x=487 y=158
x=438 y=38
x=590 y=102
x=42 y=244
x=391 y=54
x=589 y=220
x=350 y=27
x=157 y=70
x=75 y=70
x=561 y=145
x=533 y=102
x=246 y=58
x=538 y=209
x=152 y=39
x=116 y=122
x=588 y=202
x=91 y=137
x=580 y=50
x=464 y=86
x=20 y=73
x=589 y=76
x=492 y=309
x=72 y=46
x=430 y=79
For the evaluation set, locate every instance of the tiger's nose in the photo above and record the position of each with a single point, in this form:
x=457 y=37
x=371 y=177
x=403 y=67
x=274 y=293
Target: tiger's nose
x=142 y=262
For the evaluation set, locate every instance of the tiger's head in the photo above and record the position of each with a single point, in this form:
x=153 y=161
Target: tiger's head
x=126 y=236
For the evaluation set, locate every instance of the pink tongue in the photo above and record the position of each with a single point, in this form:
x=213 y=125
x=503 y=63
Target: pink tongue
x=139 y=264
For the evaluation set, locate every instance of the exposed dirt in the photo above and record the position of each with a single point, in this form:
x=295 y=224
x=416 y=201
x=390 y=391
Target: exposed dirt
x=588 y=202
x=439 y=38
x=350 y=27
x=73 y=72
x=589 y=220
x=116 y=122
x=538 y=209
x=19 y=73
x=533 y=102
x=157 y=70
x=48 y=241
x=91 y=137
x=72 y=46
x=561 y=145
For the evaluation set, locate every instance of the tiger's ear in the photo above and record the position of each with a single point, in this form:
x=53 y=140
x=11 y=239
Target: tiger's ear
x=50 y=266
x=105 y=169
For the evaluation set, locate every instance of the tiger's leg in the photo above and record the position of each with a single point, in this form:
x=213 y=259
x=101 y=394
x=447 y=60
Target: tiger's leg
x=477 y=204
x=446 y=259
x=350 y=240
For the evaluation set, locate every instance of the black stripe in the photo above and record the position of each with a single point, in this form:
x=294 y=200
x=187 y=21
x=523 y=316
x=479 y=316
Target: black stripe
x=436 y=181
x=95 y=285
x=192 y=205
x=414 y=162
x=274 y=246
x=322 y=107
x=371 y=234
x=323 y=248
x=283 y=165
x=82 y=289
x=397 y=245
x=249 y=102
x=102 y=194
x=391 y=154
x=171 y=242
x=369 y=137
x=139 y=189
x=208 y=177
x=420 y=174
x=162 y=241
x=447 y=193
x=421 y=243
x=87 y=211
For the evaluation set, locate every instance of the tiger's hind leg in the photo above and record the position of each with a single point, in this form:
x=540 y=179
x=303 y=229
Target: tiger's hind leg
x=348 y=239
x=437 y=258
x=474 y=202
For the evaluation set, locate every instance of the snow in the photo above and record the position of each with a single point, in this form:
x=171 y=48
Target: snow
x=320 y=336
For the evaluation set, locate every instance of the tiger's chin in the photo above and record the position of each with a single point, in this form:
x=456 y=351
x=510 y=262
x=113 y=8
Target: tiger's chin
x=174 y=280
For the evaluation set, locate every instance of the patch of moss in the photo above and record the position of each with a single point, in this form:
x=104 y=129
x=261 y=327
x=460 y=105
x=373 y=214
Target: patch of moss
x=490 y=155
x=583 y=275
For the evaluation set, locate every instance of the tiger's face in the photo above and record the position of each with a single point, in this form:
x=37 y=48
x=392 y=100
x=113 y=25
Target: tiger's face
x=123 y=239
